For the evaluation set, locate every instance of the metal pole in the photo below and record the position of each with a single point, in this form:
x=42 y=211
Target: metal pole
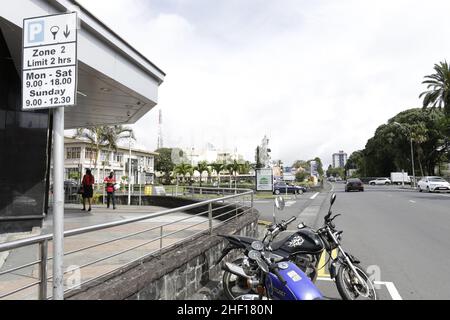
x=58 y=203
x=129 y=175
x=403 y=178
x=43 y=254
x=412 y=161
x=210 y=217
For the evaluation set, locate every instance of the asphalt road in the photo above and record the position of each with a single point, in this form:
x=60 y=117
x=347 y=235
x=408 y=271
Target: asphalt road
x=403 y=232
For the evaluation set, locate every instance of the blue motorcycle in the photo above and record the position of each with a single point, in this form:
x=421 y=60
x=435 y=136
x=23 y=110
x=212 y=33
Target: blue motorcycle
x=261 y=276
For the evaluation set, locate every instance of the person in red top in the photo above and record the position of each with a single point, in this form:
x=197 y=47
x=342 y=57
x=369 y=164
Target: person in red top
x=110 y=182
x=88 y=189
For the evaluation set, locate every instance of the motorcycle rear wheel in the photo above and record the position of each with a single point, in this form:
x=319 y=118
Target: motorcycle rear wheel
x=348 y=287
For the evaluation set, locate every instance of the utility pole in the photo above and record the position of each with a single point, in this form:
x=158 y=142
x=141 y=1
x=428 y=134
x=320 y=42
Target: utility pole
x=413 y=183
x=412 y=161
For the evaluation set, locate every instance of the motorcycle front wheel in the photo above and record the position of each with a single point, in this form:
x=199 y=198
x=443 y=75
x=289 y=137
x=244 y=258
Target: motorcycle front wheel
x=235 y=286
x=350 y=288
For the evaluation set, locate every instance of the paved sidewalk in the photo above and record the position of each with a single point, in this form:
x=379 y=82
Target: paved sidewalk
x=75 y=218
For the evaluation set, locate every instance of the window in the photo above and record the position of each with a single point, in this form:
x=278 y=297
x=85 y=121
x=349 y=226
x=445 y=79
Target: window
x=73 y=152
x=90 y=154
x=118 y=157
x=105 y=155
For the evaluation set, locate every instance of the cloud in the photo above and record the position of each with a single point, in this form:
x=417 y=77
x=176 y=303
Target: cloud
x=316 y=76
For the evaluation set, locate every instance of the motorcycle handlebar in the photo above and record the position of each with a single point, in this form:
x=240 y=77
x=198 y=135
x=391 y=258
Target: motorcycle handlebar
x=286 y=223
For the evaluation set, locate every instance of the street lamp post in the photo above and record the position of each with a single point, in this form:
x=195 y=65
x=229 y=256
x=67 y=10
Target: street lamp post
x=129 y=174
x=412 y=152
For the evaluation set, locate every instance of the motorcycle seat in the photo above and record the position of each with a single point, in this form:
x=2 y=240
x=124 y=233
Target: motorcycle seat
x=281 y=239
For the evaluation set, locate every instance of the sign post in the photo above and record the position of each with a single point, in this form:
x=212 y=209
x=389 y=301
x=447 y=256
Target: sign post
x=49 y=80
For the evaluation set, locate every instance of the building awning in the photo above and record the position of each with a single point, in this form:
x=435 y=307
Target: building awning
x=116 y=84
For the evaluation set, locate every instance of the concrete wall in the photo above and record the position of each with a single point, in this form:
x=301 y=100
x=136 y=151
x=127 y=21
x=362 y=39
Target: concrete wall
x=175 y=274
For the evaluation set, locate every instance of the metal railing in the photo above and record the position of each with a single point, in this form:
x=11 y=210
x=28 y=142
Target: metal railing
x=212 y=213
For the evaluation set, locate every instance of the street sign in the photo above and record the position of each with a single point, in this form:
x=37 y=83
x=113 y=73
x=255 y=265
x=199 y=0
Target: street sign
x=49 y=69
x=264 y=179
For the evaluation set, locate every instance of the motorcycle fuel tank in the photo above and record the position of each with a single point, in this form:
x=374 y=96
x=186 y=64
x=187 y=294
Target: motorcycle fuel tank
x=303 y=241
x=298 y=286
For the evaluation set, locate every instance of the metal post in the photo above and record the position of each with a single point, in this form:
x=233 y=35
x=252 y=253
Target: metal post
x=403 y=178
x=43 y=254
x=210 y=217
x=129 y=174
x=58 y=203
x=412 y=161
x=160 y=237
x=140 y=195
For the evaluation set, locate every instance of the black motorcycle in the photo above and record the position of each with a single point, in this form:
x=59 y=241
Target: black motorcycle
x=305 y=247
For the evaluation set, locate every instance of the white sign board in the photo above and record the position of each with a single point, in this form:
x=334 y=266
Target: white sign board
x=264 y=179
x=49 y=76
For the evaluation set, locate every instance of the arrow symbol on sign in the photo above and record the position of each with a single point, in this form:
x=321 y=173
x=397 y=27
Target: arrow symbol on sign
x=67 y=32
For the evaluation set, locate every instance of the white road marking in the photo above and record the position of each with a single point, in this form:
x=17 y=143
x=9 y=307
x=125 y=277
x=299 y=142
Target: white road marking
x=392 y=290
x=395 y=295
x=314 y=196
x=412 y=201
x=290 y=203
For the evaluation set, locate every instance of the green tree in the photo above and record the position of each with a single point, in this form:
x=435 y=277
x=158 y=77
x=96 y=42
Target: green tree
x=301 y=176
x=233 y=168
x=218 y=168
x=164 y=163
x=389 y=149
x=244 y=167
x=438 y=88
x=257 y=159
x=202 y=167
x=183 y=169
x=356 y=161
x=104 y=137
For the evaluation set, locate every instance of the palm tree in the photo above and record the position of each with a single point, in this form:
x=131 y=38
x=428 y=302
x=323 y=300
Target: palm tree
x=104 y=137
x=233 y=168
x=438 y=94
x=217 y=167
x=202 y=167
x=183 y=169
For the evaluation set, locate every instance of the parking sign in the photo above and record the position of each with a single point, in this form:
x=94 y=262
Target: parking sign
x=49 y=76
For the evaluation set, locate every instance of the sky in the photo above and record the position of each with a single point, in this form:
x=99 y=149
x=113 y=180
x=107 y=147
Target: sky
x=315 y=76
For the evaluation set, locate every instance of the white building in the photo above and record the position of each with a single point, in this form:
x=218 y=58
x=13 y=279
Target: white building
x=339 y=159
x=210 y=154
x=79 y=155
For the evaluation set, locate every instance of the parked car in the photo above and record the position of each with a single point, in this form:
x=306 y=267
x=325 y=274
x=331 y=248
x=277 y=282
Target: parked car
x=432 y=184
x=281 y=187
x=380 y=181
x=354 y=184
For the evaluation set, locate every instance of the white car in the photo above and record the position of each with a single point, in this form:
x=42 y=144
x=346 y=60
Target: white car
x=432 y=184
x=380 y=181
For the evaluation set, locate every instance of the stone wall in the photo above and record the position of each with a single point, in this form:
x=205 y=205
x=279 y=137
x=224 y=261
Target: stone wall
x=177 y=273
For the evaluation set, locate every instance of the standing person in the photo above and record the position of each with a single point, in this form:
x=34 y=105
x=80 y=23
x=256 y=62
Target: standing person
x=110 y=182
x=88 y=189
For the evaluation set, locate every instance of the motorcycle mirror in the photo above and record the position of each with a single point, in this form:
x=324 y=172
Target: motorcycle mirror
x=333 y=199
x=279 y=203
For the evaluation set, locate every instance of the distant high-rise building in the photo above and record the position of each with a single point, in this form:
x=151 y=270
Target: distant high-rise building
x=160 y=138
x=339 y=159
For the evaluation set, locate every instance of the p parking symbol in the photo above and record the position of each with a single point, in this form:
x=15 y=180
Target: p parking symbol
x=36 y=31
